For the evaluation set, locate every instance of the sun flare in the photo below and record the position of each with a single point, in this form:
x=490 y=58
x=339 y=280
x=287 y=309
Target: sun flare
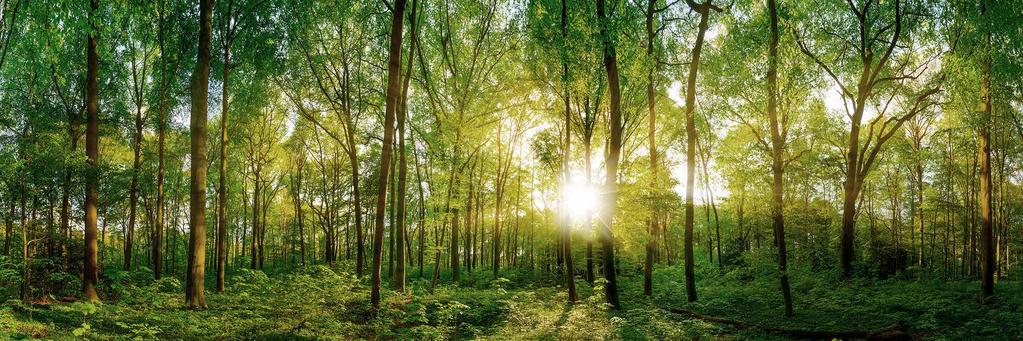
x=580 y=200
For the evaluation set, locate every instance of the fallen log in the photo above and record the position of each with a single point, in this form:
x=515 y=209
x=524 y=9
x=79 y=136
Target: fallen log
x=893 y=332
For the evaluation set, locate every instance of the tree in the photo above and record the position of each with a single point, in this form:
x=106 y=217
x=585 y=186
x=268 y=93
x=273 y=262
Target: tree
x=140 y=51
x=987 y=249
x=228 y=30
x=610 y=189
x=393 y=92
x=399 y=278
x=566 y=226
x=694 y=66
x=194 y=296
x=875 y=70
x=777 y=159
x=91 y=273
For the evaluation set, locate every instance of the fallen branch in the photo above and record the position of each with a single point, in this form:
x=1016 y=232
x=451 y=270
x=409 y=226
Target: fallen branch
x=893 y=332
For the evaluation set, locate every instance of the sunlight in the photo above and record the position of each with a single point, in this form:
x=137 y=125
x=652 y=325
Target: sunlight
x=580 y=199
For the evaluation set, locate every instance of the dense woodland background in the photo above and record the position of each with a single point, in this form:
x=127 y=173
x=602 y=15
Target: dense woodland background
x=536 y=169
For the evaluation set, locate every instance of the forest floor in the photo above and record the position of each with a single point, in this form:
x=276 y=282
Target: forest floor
x=317 y=303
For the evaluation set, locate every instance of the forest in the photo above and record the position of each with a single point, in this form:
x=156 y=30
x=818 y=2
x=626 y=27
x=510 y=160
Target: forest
x=511 y=169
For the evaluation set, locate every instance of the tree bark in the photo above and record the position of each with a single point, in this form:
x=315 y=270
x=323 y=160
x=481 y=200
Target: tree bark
x=156 y=242
x=129 y=230
x=565 y=165
x=651 y=244
x=195 y=277
x=399 y=277
x=256 y=223
x=391 y=218
x=984 y=146
x=694 y=66
x=393 y=91
x=611 y=162
x=298 y=207
x=422 y=213
x=222 y=189
x=777 y=162
x=90 y=277
x=590 y=276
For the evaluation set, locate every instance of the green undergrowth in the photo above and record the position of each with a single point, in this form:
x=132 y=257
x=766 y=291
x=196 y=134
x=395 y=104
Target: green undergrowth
x=926 y=308
x=321 y=303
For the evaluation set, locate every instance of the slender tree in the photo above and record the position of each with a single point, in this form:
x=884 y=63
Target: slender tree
x=91 y=272
x=194 y=279
x=140 y=53
x=875 y=69
x=703 y=10
x=565 y=164
x=777 y=158
x=392 y=94
x=610 y=189
x=987 y=248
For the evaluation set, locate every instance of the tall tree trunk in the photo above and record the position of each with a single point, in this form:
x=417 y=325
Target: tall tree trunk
x=353 y=161
x=156 y=242
x=393 y=91
x=422 y=213
x=467 y=238
x=565 y=165
x=712 y=207
x=651 y=245
x=777 y=162
x=399 y=276
x=919 y=170
x=498 y=198
x=222 y=188
x=129 y=230
x=611 y=162
x=195 y=277
x=589 y=215
x=984 y=146
x=694 y=66
x=390 y=211
x=90 y=277
x=299 y=216
x=256 y=188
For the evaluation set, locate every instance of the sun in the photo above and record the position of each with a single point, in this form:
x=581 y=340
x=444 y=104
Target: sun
x=580 y=200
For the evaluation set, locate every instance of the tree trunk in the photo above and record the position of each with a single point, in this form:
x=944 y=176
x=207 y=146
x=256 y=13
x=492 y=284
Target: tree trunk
x=566 y=218
x=393 y=91
x=129 y=230
x=399 y=278
x=391 y=218
x=256 y=189
x=984 y=146
x=194 y=279
x=777 y=162
x=422 y=213
x=651 y=244
x=91 y=275
x=498 y=198
x=222 y=190
x=156 y=242
x=694 y=66
x=297 y=183
x=611 y=162
x=589 y=215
